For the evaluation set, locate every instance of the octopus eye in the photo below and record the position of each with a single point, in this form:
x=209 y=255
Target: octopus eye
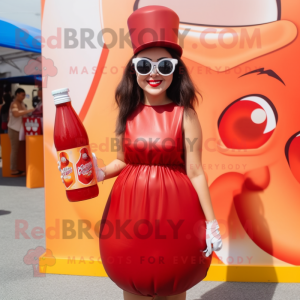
x=247 y=123
x=292 y=154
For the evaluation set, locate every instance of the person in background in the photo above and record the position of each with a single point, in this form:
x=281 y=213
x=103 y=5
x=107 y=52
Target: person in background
x=1 y=104
x=16 y=111
x=38 y=111
x=7 y=99
x=37 y=99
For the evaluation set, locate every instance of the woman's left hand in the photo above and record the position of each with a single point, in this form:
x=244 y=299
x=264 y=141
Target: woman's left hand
x=213 y=237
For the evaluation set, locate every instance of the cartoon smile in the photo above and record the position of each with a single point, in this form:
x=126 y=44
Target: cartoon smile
x=154 y=83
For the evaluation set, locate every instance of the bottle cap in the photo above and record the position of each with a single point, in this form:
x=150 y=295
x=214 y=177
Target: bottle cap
x=61 y=96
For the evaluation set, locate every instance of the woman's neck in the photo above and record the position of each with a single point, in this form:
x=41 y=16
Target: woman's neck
x=19 y=103
x=156 y=99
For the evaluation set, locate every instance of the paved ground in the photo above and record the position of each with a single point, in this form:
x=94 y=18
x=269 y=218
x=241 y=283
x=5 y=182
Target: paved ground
x=17 y=280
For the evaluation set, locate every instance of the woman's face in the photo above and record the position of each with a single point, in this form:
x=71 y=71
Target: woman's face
x=144 y=81
x=20 y=96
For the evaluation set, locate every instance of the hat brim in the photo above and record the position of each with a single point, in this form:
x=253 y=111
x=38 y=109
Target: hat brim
x=167 y=44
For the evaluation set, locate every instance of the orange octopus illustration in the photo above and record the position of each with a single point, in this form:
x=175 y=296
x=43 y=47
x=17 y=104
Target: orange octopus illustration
x=244 y=60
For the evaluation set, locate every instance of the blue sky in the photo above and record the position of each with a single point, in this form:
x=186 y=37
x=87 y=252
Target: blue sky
x=24 y=11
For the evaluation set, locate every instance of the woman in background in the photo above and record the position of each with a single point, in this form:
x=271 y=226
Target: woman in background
x=16 y=112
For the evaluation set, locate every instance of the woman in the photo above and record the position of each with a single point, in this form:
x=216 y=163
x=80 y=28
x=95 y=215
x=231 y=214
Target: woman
x=16 y=112
x=158 y=228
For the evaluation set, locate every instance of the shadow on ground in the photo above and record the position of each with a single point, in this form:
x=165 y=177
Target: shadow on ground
x=12 y=181
x=240 y=290
x=4 y=212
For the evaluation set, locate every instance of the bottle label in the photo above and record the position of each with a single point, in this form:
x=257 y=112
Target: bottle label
x=77 y=167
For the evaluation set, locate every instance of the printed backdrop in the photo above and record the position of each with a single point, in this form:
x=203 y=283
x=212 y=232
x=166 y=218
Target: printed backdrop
x=244 y=58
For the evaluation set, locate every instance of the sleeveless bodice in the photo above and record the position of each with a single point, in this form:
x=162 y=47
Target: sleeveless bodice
x=153 y=135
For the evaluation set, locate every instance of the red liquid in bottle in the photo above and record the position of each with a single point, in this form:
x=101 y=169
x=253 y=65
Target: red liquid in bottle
x=70 y=133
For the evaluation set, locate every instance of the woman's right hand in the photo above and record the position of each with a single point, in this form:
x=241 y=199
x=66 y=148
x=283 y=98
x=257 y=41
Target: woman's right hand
x=100 y=174
x=29 y=111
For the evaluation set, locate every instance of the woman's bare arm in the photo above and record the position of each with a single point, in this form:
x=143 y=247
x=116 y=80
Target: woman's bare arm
x=18 y=113
x=114 y=168
x=193 y=159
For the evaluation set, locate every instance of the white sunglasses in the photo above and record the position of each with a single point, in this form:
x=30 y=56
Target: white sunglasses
x=164 y=67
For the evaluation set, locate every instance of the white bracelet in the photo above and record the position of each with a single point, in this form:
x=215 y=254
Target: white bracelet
x=210 y=222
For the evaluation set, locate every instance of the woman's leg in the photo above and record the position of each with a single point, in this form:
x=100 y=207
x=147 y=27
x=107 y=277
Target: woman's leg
x=14 y=143
x=129 y=296
x=181 y=296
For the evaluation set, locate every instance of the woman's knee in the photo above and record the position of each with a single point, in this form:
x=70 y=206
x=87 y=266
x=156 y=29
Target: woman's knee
x=130 y=296
x=181 y=296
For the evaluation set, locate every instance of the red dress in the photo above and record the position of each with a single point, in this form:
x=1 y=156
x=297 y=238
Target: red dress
x=153 y=226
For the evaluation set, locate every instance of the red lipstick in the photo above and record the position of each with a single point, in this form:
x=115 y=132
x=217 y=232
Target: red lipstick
x=154 y=83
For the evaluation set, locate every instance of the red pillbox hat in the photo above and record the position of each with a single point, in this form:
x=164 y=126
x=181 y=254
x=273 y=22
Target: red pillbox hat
x=154 y=26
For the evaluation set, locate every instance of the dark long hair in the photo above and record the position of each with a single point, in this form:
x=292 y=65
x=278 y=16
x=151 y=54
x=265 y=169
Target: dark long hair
x=129 y=94
x=8 y=100
x=18 y=91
